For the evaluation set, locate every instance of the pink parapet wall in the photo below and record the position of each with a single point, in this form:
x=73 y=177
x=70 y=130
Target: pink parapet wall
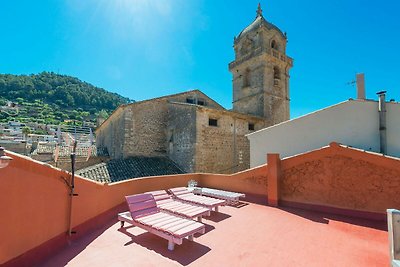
x=34 y=197
x=274 y=169
x=34 y=203
x=342 y=178
x=251 y=182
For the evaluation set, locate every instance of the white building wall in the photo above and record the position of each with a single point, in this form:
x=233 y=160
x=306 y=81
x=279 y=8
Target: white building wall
x=354 y=123
x=393 y=129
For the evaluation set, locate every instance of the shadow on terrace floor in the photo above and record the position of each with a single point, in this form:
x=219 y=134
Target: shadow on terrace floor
x=217 y=216
x=158 y=245
x=77 y=246
x=239 y=205
x=323 y=217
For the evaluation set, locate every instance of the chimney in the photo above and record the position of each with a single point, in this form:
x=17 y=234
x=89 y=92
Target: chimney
x=360 y=86
x=382 y=121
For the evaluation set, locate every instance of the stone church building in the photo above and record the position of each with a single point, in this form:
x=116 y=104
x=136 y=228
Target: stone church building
x=192 y=129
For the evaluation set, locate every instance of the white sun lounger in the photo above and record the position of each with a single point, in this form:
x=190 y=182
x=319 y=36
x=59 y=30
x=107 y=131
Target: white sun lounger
x=231 y=197
x=144 y=213
x=166 y=203
x=183 y=194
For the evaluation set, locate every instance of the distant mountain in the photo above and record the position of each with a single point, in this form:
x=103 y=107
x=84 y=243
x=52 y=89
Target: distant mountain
x=53 y=98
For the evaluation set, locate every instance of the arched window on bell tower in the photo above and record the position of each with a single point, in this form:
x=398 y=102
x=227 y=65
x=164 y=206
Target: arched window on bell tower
x=274 y=44
x=277 y=75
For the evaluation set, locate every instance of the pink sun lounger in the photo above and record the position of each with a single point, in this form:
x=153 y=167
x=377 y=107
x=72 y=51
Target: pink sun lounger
x=182 y=193
x=144 y=213
x=166 y=203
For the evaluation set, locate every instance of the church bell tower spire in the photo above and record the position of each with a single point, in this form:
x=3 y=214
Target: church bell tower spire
x=259 y=11
x=261 y=71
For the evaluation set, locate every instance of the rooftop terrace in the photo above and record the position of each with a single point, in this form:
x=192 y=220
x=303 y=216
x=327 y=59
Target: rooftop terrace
x=247 y=235
x=345 y=190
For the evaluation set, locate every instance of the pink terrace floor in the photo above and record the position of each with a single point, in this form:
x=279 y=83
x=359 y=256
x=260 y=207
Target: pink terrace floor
x=250 y=235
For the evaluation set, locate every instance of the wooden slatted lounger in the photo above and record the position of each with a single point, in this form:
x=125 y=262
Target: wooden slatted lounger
x=144 y=213
x=183 y=194
x=231 y=197
x=166 y=203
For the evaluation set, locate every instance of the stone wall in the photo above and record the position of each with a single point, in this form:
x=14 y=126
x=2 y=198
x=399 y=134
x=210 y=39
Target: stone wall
x=145 y=129
x=112 y=133
x=181 y=136
x=195 y=94
x=19 y=148
x=140 y=129
x=169 y=126
x=276 y=92
x=249 y=99
x=223 y=148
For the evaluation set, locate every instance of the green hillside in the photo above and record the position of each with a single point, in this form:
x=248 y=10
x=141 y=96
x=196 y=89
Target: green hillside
x=52 y=99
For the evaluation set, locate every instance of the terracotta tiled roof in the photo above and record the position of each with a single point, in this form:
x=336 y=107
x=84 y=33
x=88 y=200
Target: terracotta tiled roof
x=65 y=151
x=134 y=167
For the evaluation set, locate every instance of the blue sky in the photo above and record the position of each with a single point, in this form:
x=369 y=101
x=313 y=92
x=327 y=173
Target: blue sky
x=144 y=49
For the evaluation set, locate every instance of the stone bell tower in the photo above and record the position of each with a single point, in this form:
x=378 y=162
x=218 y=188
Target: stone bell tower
x=261 y=71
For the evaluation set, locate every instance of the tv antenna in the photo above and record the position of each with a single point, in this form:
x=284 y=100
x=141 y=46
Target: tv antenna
x=66 y=150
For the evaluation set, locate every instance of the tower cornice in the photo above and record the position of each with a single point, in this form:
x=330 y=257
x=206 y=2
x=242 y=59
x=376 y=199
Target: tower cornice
x=272 y=53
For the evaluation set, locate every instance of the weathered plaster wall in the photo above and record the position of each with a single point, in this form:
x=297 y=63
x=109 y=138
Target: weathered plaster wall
x=342 y=178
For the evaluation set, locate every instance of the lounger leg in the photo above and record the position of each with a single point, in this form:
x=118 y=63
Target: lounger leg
x=216 y=208
x=190 y=238
x=199 y=219
x=171 y=245
x=122 y=224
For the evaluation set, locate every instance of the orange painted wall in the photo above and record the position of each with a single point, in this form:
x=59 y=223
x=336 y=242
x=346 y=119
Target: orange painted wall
x=33 y=205
x=34 y=197
x=34 y=202
x=342 y=177
x=252 y=181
